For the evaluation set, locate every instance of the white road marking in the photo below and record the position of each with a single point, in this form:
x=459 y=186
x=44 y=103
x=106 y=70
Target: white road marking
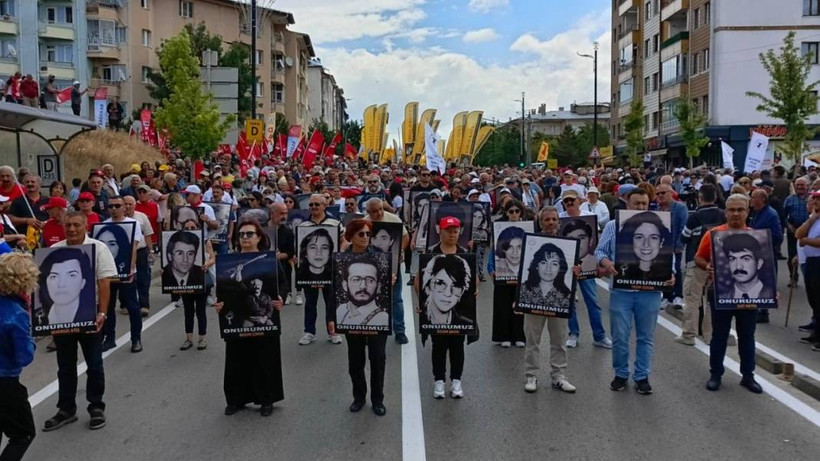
x=776 y=392
x=412 y=424
x=54 y=386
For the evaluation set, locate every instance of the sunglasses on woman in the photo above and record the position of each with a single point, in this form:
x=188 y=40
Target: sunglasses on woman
x=514 y=210
x=363 y=234
x=247 y=235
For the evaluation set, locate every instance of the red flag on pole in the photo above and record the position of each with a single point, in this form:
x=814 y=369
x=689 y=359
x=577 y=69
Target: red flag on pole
x=332 y=147
x=313 y=148
x=300 y=149
x=64 y=95
x=350 y=151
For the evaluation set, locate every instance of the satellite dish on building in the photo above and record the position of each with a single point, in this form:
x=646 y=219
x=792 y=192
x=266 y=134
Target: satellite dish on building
x=288 y=61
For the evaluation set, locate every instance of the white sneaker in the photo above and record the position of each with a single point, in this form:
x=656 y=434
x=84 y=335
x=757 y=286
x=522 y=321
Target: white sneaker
x=664 y=303
x=178 y=303
x=211 y=300
x=307 y=338
x=335 y=339
x=289 y=299
x=532 y=384
x=438 y=390
x=685 y=340
x=563 y=385
x=520 y=344
x=678 y=301
x=298 y=299
x=572 y=341
x=505 y=344
x=455 y=389
x=606 y=343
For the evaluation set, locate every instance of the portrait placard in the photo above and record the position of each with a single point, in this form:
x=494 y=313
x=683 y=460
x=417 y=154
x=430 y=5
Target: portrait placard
x=447 y=294
x=481 y=222
x=315 y=246
x=585 y=230
x=247 y=286
x=643 y=250
x=405 y=210
x=183 y=254
x=222 y=211
x=463 y=211
x=345 y=218
x=386 y=236
x=296 y=217
x=744 y=265
x=363 y=283
x=119 y=238
x=180 y=214
x=547 y=284
x=418 y=200
x=66 y=298
x=303 y=200
x=508 y=246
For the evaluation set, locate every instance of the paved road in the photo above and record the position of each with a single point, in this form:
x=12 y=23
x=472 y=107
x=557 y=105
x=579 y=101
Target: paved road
x=166 y=404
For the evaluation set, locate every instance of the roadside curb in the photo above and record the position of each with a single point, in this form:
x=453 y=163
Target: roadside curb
x=677 y=313
x=768 y=363
x=807 y=385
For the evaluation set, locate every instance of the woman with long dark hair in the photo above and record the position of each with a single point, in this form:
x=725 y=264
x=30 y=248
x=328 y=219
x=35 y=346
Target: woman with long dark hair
x=315 y=252
x=640 y=251
x=253 y=366
x=545 y=278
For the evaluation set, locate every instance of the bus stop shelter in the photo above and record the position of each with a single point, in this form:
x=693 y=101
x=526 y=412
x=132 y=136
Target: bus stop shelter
x=35 y=138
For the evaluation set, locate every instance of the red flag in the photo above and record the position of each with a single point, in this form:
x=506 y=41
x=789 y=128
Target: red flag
x=101 y=93
x=224 y=149
x=350 y=151
x=64 y=95
x=146 y=122
x=300 y=149
x=332 y=147
x=314 y=146
x=281 y=146
x=199 y=167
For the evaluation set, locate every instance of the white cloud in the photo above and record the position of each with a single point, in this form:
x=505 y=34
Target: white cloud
x=480 y=35
x=483 y=6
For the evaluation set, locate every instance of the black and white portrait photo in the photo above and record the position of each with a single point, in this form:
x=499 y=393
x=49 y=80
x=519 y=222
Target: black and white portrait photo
x=119 y=238
x=508 y=246
x=363 y=283
x=303 y=200
x=66 y=298
x=447 y=294
x=585 y=230
x=183 y=254
x=345 y=218
x=744 y=265
x=463 y=211
x=481 y=222
x=315 y=246
x=547 y=284
x=222 y=211
x=296 y=217
x=386 y=236
x=418 y=200
x=180 y=214
x=248 y=287
x=643 y=250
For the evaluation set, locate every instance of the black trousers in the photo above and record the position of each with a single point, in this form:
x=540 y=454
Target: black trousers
x=195 y=304
x=16 y=420
x=375 y=345
x=442 y=344
x=91 y=345
x=813 y=290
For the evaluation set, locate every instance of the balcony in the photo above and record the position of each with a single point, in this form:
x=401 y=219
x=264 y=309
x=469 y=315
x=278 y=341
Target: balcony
x=677 y=38
x=114 y=86
x=674 y=10
x=277 y=75
x=277 y=42
x=674 y=88
x=60 y=70
x=103 y=48
x=628 y=5
x=8 y=65
x=669 y=126
x=102 y=9
x=61 y=31
x=8 y=25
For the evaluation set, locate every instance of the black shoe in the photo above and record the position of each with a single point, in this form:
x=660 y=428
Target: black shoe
x=108 y=345
x=51 y=347
x=379 y=409
x=136 y=346
x=751 y=384
x=811 y=339
x=266 y=410
x=401 y=338
x=482 y=278
x=809 y=327
x=97 y=419
x=816 y=347
x=643 y=387
x=59 y=420
x=356 y=406
x=763 y=319
x=618 y=384
x=411 y=281
x=713 y=384
x=232 y=409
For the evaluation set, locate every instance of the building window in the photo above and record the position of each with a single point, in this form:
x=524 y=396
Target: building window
x=60 y=15
x=656 y=119
x=258 y=57
x=695 y=62
x=811 y=7
x=648 y=9
x=627 y=88
x=655 y=80
x=146 y=37
x=7 y=8
x=811 y=49
x=696 y=18
x=144 y=4
x=186 y=9
x=145 y=77
x=8 y=49
x=122 y=35
x=646 y=88
x=707 y=12
x=655 y=43
x=646 y=48
x=260 y=89
x=277 y=92
x=673 y=70
x=646 y=127
x=814 y=94
x=57 y=53
x=705 y=106
x=704 y=65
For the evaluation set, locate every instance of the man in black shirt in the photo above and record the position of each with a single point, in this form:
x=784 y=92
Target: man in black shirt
x=77 y=97
x=20 y=212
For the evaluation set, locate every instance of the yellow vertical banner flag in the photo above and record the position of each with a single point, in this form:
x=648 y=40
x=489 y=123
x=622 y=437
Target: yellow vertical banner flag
x=552 y=163
x=378 y=128
x=426 y=119
x=369 y=128
x=459 y=121
x=442 y=146
x=544 y=151
x=448 y=153
x=483 y=135
x=408 y=127
x=471 y=132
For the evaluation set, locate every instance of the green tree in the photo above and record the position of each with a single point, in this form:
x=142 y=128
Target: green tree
x=352 y=133
x=189 y=114
x=323 y=128
x=792 y=99
x=565 y=147
x=585 y=141
x=633 y=124
x=502 y=147
x=692 y=125
x=282 y=125
x=201 y=40
x=238 y=55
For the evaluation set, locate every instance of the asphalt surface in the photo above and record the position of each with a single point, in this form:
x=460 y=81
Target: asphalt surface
x=167 y=404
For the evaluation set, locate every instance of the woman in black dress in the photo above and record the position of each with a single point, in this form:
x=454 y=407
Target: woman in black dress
x=253 y=366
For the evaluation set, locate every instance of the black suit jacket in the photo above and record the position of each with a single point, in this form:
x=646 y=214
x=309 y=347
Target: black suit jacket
x=195 y=277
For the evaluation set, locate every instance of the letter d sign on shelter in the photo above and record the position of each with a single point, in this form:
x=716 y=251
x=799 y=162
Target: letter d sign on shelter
x=48 y=168
x=254 y=130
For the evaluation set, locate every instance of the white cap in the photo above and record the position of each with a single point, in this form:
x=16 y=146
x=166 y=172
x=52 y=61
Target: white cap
x=593 y=190
x=475 y=181
x=193 y=189
x=436 y=192
x=3 y=199
x=75 y=83
x=472 y=191
x=504 y=189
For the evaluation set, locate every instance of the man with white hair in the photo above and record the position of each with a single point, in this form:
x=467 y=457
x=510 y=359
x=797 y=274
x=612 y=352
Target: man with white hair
x=110 y=181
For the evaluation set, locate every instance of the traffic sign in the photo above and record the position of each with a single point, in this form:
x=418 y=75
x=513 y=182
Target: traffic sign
x=552 y=163
x=254 y=130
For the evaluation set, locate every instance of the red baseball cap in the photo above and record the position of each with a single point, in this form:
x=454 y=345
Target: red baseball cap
x=449 y=222
x=227 y=186
x=86 y=196
x=55 y=202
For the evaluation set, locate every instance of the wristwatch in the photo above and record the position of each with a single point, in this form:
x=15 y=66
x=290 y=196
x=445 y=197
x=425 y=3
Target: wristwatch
x=105 y=316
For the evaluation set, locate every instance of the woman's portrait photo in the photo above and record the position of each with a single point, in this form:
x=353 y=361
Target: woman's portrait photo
x=447 y=295
x=643 y=250
x=585 y=230
x=316 y=245
x=481 y=222
x=119 y=238
x=508 y=247
x=67 y=292
x=547 y=286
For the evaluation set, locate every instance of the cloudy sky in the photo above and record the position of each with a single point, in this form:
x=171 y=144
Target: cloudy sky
x=456 y=55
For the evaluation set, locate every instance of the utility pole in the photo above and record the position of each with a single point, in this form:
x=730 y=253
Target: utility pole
x=521 y=158
x=594 y=58
x=253 y=58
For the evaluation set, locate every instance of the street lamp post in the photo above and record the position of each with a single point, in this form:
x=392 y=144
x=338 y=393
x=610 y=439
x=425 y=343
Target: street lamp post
x=594 y=58
x=523 y=127
x=253 y=58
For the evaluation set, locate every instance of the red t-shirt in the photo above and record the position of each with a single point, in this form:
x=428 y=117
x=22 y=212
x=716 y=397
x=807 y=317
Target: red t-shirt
x=92 y=218
x=705 y=247
x=151 y=210
x=13 y=192
x=53 y=232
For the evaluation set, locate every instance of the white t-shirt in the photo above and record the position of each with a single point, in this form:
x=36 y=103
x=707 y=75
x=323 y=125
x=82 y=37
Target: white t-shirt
x=138 y=236
x=104 y=261
x=145 y=227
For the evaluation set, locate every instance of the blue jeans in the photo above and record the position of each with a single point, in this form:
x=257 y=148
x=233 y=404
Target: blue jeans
x=311 y=303
x=589 y=289
x=143 y=278
x=128 y=299
x=220 y=248
x=643 y=307
x=745 y=324
x=398 y=306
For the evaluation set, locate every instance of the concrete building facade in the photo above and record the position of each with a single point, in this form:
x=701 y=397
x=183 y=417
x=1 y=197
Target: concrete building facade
x=327 y=102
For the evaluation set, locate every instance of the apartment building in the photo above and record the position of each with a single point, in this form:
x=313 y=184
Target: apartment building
x=554 y=122
x=708 y=51
x=44 y=38
x=327 y=102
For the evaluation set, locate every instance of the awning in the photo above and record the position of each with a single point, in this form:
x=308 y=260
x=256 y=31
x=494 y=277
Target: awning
x=657 y=153
x=47 y=124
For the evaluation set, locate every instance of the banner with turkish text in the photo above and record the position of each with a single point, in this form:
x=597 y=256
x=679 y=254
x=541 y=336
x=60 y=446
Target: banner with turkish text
x=294 y=138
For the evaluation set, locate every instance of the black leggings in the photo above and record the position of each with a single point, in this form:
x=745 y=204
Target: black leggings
x=442 y=344
x=195 y=304
x=16 y=420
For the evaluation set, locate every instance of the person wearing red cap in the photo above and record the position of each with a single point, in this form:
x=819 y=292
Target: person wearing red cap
x=53 y=230
x=85 y=203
